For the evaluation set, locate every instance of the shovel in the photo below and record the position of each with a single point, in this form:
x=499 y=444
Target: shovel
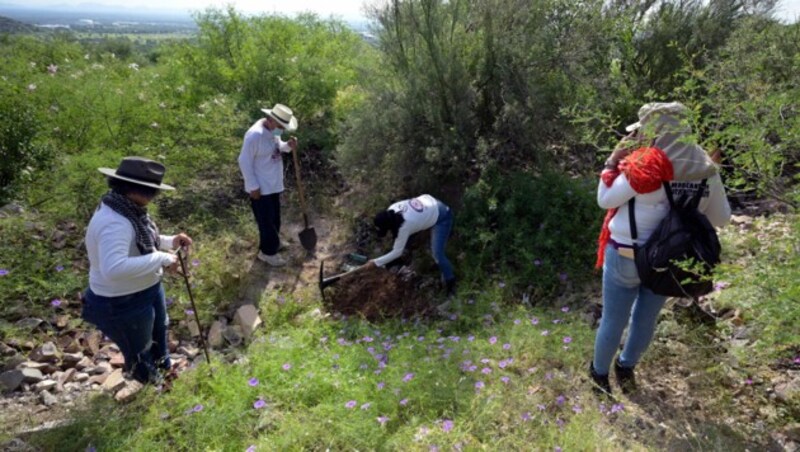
x=329 y=281
x=308 y=236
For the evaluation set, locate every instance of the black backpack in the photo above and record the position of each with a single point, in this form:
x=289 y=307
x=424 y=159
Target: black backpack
x=679 y=257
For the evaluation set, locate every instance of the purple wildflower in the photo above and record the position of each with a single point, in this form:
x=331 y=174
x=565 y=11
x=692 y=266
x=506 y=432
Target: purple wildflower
x=470 y=338
x=546 y=333
x=486 y=370
x=351 y=404
x=366 y=406
x=479 y=385
x=557 y=449
x=534 y=321
x=541 y=407
x=420 y=338
x=404 y=402
x=797 y=359
x=252 y=448
x=3 y=272
x=59 y=268
x=526 y=416
x=562 y=276
x=748 y=381
x=517 y=321
x=52 y=69
x=259 y=404
x=169 y=301
x=197 y=408
x=537 y=262
x=55 y=303
x=548 y=376
x=505 y=379
x=506 y=346
x=447 y=425
x=189 y=312
x=383 y=420
x=560 y=400
x=195 y=262
x=617 y=407
x=501 y=284
x=502 y=364
x=577 y=409
x=286 y=366
x=381 y=385
x=408 y=377
x=253 y=381
x=493 y=340
x=565 y=309
x=567 y=339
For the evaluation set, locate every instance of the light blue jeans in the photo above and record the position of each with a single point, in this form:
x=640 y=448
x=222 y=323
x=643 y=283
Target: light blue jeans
x=625 y=303
x=439 y=235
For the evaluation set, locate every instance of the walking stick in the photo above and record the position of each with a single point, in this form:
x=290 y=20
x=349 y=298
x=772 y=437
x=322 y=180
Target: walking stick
x=194 y=308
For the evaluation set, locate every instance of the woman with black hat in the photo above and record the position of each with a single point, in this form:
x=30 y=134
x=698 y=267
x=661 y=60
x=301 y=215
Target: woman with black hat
x=127 y=257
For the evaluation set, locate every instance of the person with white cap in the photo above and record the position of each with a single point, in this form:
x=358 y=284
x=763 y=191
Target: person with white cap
x=261 y=164
x=127 y=257
x=659 y=149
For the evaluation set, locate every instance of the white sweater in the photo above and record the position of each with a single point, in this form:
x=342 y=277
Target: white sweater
x=419 y=213
x=116 y=267
x=260 y=160
x=652 y=207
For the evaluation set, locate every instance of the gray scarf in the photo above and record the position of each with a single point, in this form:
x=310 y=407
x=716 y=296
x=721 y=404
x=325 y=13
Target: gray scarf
x=147 y=238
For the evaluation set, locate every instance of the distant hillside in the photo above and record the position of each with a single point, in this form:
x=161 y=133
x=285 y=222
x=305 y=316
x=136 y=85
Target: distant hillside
x=12 y=26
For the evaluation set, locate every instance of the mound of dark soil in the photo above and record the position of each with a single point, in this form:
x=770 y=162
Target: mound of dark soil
x=379 y=293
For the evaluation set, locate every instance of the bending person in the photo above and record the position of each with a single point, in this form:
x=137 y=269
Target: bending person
x=411 y=216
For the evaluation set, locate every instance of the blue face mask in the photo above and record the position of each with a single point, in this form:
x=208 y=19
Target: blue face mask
x=277 y=132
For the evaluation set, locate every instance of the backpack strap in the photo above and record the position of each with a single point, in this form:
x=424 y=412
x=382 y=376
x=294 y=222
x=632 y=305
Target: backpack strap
x=632 y=219
x=699 y=195
x=668 y=191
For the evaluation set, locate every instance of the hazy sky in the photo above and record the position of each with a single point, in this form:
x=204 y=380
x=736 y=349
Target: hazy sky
x=348 y=9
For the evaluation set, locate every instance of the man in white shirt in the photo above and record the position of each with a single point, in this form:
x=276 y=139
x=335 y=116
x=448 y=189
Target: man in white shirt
x=261 y=164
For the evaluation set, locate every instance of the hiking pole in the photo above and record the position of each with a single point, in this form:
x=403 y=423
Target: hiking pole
x=194 y=308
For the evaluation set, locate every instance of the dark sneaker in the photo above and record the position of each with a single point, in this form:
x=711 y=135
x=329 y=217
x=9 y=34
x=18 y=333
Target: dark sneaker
x=626 y=378
x=601 y=385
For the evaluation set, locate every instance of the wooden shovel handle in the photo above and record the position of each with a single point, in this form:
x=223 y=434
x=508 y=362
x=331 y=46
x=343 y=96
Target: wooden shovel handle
x=300 y=185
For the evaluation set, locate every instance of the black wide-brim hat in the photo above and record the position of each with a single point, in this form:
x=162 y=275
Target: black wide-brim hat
x=139 y=170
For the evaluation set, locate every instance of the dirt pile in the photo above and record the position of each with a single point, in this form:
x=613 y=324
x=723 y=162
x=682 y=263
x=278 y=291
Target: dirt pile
x=379 y=293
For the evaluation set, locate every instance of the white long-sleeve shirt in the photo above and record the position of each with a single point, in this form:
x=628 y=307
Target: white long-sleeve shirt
x=116 y=267
x=419 y=213
x=260 y=160
x=652 y=207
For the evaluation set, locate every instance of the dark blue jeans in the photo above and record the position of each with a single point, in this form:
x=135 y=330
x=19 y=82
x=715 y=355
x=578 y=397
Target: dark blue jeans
x=137 y=323
x=439 y=235
x=267 y=210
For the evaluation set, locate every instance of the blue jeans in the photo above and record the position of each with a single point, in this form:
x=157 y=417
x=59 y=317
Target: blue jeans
x=439 y=235
x=625 y=303
x=267 y=210
x=137 y=323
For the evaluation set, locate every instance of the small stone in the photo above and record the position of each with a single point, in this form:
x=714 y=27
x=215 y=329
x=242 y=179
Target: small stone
x=80 y=377
x=115 y=381
x=100 y=368
x=233 y=334
x=31 y=375
x=47 y=353
x=98 y=379
x=61 y=321
x=788 y=391
x=127 y=393
x=215 y=334
x=72 y=359
x=30 y=323
x=188 y=351
x=66 y=377
x=11 y=380
x=47 y=398
x=92 y=342
x=84 y=363
x=6 y=350
x=194 y=329
x=117 y=360
x=45 y=385
x=172 y=345
x=247 y=318
x=13 y=362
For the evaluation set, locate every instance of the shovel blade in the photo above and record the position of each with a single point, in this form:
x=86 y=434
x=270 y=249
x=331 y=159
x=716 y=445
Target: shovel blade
x=308 y=238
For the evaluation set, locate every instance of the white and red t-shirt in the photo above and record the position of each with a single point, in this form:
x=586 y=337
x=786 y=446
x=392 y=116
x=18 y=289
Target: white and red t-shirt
x=419 y=214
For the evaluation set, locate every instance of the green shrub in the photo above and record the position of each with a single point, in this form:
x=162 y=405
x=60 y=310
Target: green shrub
x=537 y=231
